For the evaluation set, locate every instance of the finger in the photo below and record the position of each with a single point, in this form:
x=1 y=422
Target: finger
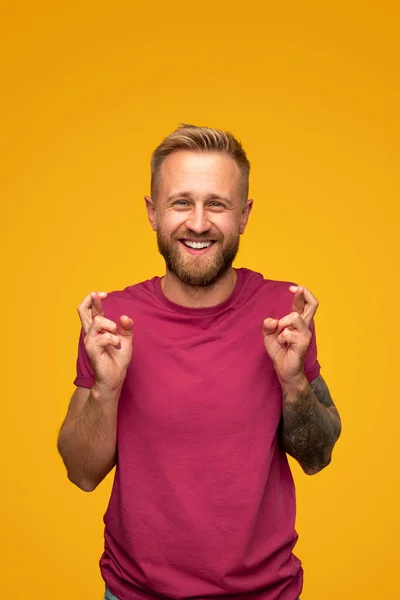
x=291 y=337
x=310 y=298
x=311 y=307
x=85 y=310
x=97 y=307
x=107 y=339
x=294 y=321
x=100 y=324
x=125 y=326
x=269 y=326
x=298 y=300
x=311 y=304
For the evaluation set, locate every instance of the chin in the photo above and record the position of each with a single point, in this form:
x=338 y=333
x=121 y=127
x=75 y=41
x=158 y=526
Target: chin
x=200 y=278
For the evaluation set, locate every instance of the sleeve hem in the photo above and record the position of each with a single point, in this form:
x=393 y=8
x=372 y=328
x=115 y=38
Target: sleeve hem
x=83 y=381
x=313 y=372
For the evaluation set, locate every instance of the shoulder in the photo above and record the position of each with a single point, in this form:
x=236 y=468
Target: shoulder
x=272 y=292
x=133 y=297
x=254 y=278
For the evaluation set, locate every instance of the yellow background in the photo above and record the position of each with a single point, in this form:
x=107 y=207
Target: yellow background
x=88 y=91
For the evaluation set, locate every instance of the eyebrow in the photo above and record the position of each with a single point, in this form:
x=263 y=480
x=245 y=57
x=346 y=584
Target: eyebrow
x=209 y=197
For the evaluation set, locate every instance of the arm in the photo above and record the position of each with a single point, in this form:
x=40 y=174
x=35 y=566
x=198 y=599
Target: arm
x=88 y=437
x=311 y=424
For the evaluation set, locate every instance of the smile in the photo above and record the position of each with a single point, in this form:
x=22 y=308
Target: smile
x=197 y=245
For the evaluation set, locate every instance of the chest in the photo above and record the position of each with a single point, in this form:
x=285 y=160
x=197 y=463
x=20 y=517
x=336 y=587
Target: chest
x=211 y=378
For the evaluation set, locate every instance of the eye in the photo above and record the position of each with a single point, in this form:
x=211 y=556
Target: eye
x=180 y=202
x=216 y=204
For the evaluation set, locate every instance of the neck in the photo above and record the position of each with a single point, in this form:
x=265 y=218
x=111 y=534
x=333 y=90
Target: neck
x=198 y=297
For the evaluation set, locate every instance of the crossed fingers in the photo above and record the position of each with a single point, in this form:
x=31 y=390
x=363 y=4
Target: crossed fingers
x=304 y=303
x=90 y=308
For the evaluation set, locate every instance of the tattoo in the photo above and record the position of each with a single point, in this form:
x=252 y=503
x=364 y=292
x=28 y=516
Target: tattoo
x=311 y=426
x=320 y=389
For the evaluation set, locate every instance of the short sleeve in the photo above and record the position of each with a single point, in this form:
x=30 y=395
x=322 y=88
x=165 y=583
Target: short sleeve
x=84 y=371
x=312 y=367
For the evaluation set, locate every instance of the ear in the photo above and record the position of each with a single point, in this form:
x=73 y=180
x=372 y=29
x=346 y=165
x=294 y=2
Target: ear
x=244 y=217
x=151 y=212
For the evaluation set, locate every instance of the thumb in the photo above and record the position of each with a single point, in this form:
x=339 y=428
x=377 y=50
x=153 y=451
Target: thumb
x=270 y=326
x=125 y=326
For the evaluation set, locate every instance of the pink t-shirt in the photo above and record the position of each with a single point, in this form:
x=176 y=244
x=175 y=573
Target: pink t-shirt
x=203 y=502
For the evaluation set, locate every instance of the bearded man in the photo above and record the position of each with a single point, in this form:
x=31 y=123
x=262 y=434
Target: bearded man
x=195 y=386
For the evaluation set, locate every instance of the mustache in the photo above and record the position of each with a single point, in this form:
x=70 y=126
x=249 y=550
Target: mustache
x=187 y=235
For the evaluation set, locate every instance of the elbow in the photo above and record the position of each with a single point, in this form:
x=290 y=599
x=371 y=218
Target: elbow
x=85 y=485
x=317 y=462
x=74 y=476
x=314 y=469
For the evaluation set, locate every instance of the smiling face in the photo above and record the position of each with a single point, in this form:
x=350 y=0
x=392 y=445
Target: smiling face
x=199 y=215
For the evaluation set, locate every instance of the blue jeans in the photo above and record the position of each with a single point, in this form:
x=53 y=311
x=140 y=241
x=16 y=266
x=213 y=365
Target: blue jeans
x=109 y=596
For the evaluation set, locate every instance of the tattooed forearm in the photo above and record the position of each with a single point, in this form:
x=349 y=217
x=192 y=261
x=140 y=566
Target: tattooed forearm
x=311 y=425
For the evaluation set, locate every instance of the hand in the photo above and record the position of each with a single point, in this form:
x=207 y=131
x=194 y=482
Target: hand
x=109 y=348
x=286 y=340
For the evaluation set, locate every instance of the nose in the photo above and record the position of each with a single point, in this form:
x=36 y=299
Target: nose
x=198 y=221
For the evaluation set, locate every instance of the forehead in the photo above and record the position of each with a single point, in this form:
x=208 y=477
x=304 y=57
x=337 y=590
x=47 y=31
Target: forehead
x=204 y=171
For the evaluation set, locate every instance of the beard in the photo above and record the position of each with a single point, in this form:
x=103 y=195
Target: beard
x=197 y=271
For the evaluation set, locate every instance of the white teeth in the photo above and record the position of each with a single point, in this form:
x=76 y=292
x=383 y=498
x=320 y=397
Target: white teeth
x=197 y=245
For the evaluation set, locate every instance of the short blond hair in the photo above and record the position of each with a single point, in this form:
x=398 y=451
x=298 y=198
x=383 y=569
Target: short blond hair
x=199 y=139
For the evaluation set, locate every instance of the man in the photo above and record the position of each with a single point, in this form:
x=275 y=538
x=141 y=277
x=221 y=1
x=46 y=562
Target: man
x=195 y=386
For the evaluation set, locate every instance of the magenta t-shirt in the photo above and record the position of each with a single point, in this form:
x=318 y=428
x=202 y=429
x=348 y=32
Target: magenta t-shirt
x=203 y=502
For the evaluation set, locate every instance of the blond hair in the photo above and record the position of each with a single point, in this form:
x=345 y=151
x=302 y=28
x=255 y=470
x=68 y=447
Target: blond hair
x=199 y=139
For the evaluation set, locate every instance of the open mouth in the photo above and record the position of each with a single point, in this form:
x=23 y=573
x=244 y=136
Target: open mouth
x=197 y=247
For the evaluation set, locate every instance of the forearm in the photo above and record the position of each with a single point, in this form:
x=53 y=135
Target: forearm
x=311 y=425
x=88 y=440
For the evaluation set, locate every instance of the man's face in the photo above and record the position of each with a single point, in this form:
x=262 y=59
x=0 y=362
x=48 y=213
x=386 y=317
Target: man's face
x=199 y=215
